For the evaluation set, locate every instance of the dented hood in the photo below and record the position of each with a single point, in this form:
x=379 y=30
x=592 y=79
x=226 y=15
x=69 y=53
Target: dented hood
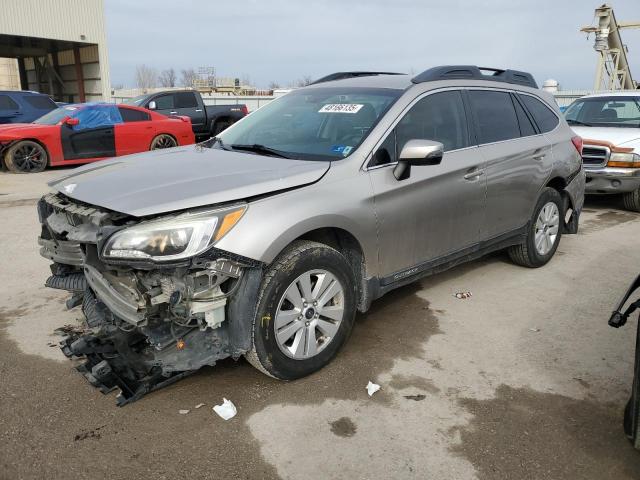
x=168 y=180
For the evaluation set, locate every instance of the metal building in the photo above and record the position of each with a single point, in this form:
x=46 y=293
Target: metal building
x=60 y=47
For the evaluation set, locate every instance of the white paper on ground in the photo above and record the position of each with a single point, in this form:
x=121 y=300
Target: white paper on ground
x=183 y=412
x=227 y=410
x=372 y=388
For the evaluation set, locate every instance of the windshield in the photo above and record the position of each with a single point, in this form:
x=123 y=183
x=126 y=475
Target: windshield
x=312 y=124
x=55 y=116
x=135 y=100
x=605 y=112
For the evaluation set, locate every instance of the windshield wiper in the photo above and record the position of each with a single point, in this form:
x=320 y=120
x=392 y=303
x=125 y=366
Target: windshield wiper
x=210 y=142
x=578 y=122
x=257 y=148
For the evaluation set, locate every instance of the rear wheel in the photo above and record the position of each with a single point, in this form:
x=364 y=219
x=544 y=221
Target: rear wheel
x=544 y=232
x=631 y=200
x=163 y=141
x=306 y=309
x=220 y=126
x=26 y=156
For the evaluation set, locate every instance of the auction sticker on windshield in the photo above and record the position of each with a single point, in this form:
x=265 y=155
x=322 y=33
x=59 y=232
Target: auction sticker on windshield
x=341 y=108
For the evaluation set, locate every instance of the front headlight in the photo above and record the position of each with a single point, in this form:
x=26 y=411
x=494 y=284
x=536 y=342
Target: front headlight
x=626 y=159
x=175 y=238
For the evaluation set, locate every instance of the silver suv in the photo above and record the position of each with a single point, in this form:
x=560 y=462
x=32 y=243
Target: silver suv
x=266 y=240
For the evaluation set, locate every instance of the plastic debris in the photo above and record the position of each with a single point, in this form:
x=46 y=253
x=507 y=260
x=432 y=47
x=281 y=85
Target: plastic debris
x=200 y=405
x=372 y=388
x=227 y=410
x=183 y=412
x=462 y=295
x=534 y=329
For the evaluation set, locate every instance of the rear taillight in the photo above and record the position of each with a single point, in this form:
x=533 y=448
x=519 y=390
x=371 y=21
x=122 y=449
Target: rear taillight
x=245 y=110
x=577 y=142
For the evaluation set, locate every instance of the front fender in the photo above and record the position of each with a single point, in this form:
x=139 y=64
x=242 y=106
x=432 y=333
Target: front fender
x=272 y=223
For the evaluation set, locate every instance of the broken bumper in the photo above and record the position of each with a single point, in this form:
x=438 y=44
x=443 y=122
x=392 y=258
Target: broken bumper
x=145 y=326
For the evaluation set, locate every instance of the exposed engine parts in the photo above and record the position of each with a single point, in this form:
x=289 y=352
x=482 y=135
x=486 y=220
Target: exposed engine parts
x=145 y=327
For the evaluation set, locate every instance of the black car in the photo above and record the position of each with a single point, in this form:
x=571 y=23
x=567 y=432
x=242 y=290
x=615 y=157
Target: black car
x=207 y=120
x=632 y=411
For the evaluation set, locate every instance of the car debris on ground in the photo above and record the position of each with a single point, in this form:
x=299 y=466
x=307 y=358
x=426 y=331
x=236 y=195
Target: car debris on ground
x=183 y=412
x=463 y=295
x=227 y=410
x=372 y=388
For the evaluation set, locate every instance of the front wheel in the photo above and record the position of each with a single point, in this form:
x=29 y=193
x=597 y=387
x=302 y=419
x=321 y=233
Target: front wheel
x=163 y=141
x=631 y=200
x=306 y=309
x=544 y=232
x=26 y=157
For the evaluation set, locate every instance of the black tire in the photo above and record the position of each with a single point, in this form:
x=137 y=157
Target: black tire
x=526 y=253
x=164 y=140
x=300 y=257
x=631 y=200
x=26 y=156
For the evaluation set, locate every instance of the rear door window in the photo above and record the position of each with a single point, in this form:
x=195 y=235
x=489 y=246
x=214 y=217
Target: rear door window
x=185 y=100
x=41 y=102
x=131 y=115
x=542 y=114
x=495 y=116
x=526 y=127
x=7 y=103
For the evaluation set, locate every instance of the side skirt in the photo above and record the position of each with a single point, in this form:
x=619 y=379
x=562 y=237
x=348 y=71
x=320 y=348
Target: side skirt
x=378 y=287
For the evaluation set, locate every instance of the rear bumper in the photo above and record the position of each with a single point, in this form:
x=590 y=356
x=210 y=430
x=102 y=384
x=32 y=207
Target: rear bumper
x=612 y=180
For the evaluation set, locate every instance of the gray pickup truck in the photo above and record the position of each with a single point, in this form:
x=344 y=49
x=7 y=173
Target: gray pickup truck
x=206 y=120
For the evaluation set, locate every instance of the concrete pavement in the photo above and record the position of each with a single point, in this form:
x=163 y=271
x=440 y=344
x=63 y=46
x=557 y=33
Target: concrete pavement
x=523 y=380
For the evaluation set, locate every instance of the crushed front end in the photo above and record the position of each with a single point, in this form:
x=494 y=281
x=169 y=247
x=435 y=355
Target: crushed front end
x=156 y=310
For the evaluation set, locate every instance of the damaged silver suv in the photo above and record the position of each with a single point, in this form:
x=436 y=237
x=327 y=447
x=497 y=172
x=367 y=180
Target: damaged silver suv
x=266 y=240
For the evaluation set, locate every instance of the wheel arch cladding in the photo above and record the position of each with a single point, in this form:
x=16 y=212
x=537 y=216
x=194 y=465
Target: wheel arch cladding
x=347 y=244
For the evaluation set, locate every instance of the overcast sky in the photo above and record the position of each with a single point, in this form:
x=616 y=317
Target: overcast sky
x=283 y=40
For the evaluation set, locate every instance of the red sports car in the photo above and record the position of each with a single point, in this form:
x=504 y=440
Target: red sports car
x=84 y=133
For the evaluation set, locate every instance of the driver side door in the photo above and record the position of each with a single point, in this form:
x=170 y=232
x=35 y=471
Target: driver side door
x=93 y=136
x=439 y=210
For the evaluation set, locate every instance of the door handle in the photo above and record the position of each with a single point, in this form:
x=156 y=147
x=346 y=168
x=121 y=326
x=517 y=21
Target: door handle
x=473 y=175
x=198 y=110
x=173 y=113
x=539 y=156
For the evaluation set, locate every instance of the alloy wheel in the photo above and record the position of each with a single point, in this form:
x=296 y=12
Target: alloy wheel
x=29 y=157
x=163 y=141
x=546 y=228
x=309 y=314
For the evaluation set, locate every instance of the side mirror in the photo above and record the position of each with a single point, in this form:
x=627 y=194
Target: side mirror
x=152 y=105
x=71 y=122
x=418 y=153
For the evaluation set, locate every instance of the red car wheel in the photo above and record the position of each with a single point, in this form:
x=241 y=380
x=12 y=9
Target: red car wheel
x=26 y=157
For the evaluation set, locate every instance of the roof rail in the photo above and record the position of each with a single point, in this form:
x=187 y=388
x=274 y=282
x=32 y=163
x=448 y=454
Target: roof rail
x=345 y=75
x=472 y=72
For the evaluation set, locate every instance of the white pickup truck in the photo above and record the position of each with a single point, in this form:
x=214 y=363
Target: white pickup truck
x=609 y=124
